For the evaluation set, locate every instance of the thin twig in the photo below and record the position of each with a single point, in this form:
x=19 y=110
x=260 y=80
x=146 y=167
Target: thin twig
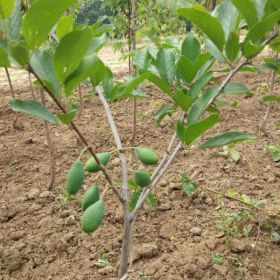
x=241 y=201
x=81 y=136
x=50 y=146
x=31 y=85
x=14 y=123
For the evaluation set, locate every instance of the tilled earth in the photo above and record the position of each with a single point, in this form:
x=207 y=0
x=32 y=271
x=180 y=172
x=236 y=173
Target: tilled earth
x=180 y=238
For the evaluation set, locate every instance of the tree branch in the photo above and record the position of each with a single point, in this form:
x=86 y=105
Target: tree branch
x=81 y=136
x=118 y=142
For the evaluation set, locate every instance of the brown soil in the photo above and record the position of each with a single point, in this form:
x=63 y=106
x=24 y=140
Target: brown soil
x=40 y=238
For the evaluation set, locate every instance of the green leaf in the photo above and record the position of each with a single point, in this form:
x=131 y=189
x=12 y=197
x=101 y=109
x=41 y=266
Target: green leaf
x=214 y=51
x=91 y=66
x=186 y=69
x=96 y=44
x=189 y=188
x=40 y=19
x=207 y=23
x=260 y=5
x=235 y=88
x=67 y=118
x=151 y=200
x=200 y=84
x=260 y=29
x=64 y=26
x=195 y=130
x=135 y=82
x=251 y=50
x=191 y=47
x=165 y=110
x=20 y=54
x=34 y=108
x=228 y=16
x=70 y=52
x=269 y=98
x=232 y=46
x=199 y=107
x=182 y=100
x=4 y=58
x=133 y=200
x=226 y=139
x=165 y=64
x=6 y=8
x=14 y=22
x=142 y=59
x=248 y=10
x=43 y=65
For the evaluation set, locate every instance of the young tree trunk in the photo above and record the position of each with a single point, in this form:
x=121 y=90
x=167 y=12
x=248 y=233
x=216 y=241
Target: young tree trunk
x=50 y=146
x=14 y=123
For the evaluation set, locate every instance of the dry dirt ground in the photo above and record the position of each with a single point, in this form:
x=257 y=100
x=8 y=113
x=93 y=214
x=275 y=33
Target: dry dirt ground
x=181 y=238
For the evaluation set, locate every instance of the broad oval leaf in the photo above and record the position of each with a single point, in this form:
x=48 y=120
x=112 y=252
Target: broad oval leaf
x=34 y=108
x=207 y=23
x=165 y=64
x=91 y=66
x=235 y=88
x=194 y=131
x=270 y=98
x=186 y=69
x=191 y=47
x=228 y=16
x=201 y=104
x=251 y=50
x=43 y=65
x=260 y=29
x=70 y=52
x=67 y=118
x=64 y=26
x=40 y=19
x=200 y=84
x=232 y=46
x=227 y=138
x=248 y=10
x=4 y=58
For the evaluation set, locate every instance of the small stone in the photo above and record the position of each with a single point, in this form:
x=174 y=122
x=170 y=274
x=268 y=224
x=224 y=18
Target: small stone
x=37 y=262
x=209 y=201
x=221 y=269
x=33 y=194
x=45 y=194
x=17 y=235
x=196 y=231
x=21 y=199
